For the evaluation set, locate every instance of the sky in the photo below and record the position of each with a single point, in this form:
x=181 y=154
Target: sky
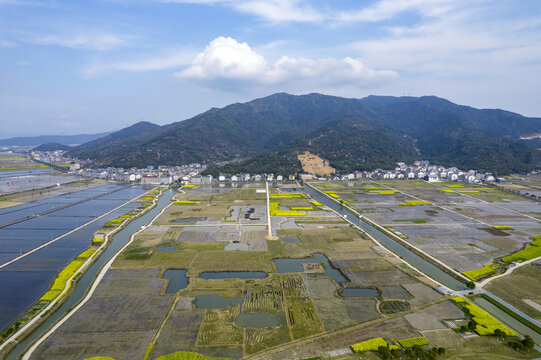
x=71 y=67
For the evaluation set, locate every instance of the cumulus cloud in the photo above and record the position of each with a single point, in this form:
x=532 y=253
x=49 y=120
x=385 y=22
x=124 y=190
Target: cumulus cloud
x=225 y=59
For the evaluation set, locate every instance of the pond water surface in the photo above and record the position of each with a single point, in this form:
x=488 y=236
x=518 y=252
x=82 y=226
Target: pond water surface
x=178 y=280
x=257 y=320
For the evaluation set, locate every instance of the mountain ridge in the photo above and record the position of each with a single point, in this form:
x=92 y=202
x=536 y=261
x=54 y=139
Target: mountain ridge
x=374 y=131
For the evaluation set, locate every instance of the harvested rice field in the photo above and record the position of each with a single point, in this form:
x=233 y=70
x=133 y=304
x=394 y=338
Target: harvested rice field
x=205 y=276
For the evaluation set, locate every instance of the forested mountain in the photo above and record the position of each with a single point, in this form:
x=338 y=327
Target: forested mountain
x=117 y=142
x=265 y=135
x=51 y=147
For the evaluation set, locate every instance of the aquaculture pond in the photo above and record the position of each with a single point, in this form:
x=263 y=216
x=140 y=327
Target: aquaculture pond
x=288 y=265
x=24 y=172
x=257 y=320
x=118 y=240
x=24 y=281
x=359 y=293
x=213 y=301
x=233 y=275
x=177 y=280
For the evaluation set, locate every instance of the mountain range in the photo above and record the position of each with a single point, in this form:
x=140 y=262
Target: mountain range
x=267 y=134
x=44 y=139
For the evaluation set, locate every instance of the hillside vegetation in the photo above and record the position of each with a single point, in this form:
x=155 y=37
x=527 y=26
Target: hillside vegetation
x=268 y=134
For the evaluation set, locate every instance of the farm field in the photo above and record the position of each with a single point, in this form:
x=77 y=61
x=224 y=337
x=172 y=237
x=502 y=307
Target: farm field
x=465 y=226
x=518 y=287
x=205 y=278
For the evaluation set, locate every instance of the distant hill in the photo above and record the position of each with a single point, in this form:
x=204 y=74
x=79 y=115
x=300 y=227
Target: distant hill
x=267 y=134
x=44 y=139
x=116 y=142
x=51 y=147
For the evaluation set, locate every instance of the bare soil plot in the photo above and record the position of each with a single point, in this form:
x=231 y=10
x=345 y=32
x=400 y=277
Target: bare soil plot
x=421 y=293
x=313 y=164
x=363 y=310
x=82 y=345
x=179 y=333
x=378 y=277
x=333 y=313
x=445 y=337
x=523 y=283
x=321 y=288
x=462 y=242
x=395 y=292
x=118 y=320
x=431 y=317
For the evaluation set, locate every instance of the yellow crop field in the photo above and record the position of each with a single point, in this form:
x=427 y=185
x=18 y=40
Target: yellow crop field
x=485 y=270
x=486 y=324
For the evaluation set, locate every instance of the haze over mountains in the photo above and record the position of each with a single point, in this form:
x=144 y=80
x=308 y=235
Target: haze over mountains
x=44 y=139
x=377 y=131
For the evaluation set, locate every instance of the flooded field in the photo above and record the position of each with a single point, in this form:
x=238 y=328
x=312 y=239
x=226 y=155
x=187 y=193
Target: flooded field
x=26 y=279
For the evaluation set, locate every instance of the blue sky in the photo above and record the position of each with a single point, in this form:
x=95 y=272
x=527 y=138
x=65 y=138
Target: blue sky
x=89 y=66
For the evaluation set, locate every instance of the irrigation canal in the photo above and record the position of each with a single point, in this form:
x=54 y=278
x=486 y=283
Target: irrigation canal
x=423 y=265
x=118 y=240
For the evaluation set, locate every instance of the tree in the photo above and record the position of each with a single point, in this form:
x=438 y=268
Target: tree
x=528 y=342
x=470 y=285
x=384 y=352
x=497 y=332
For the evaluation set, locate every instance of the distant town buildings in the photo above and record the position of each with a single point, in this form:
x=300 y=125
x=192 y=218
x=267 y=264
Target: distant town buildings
x=192 y=173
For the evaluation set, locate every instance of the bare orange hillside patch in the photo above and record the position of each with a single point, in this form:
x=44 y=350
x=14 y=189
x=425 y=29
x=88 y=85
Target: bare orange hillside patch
x=313 y=164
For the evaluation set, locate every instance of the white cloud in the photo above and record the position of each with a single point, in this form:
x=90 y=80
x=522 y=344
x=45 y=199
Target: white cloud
x=97 y=42
x=278 y=11
x=226 y=61
x=162 y=62
x=386 y=9
x=226 y=58
x=275 y=11
x=6 y=43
